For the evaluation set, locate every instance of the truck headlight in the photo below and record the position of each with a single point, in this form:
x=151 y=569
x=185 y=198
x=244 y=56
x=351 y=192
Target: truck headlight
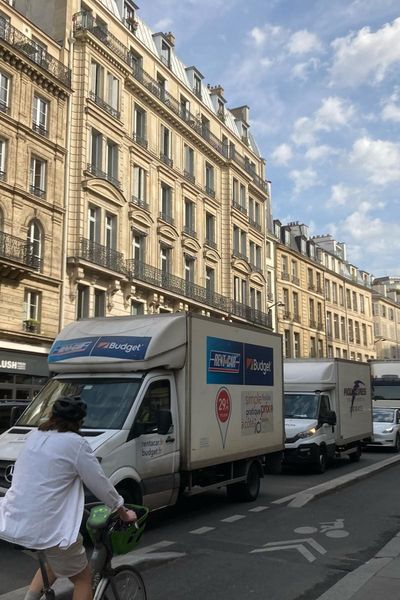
x=306 y=434
x=388 y=430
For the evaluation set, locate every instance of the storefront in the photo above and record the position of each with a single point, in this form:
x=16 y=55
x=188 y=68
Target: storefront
x=22 y=374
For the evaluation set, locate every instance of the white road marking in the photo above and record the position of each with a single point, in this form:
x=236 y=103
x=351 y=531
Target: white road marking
x=233 y=518
x=201 y=530
x=258 y=509
x=298 y=545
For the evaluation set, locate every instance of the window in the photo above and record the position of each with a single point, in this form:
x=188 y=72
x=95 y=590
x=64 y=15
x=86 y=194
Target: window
x=96 y=150
x=197 y=86
x=189 y=268
x=362 y=304
x=240 y=290
x=336 y=326
x=99 y=303
x=94 y=223
x=286 y=343
x=284 y=265
x=334 y=292
x=165 y=259
x=329 y=324
x=96 y=80
x=4 y=92
x=165 y=143
x=311 y=312
x=110 y=236
x=189 y=162
x=357 y=332
x=113 y=92
x=165 y=54
x=82 y=302
x=235 y=192
x=112 y=162
x=190 y=227
x=184 y=107
x=158 y=397
x=37 y=177
x=320 y=349
x=319 y=316
x=364 y=334
x=137 y=308
x=351 y=331
x=310 y=279
x=3 y=150
x=162 y=85
x=129 y=17
x=355 y=301
x=136 y=62
x=341 y=295
x=255 y=213
x=296 y=312
x=35 y=240
x=210 y=228
x=343 y=328
x=40 y=115
x=296 y=345
x=40 y=54
x=319 y=283
x=327 y=290
x=255 y=255
x=348 y=299
x=209 y=179
x=32 y=311
x=255 y=299
x=139 y=185
x=313 y=347
x=166 y=203
x=138 y=246
x=242 y=200
x=210 y=280
x=139 y=126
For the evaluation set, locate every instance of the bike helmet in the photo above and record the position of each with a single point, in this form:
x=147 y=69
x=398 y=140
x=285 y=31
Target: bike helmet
x=71 y=408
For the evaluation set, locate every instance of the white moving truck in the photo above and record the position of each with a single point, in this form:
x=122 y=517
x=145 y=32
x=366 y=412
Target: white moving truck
x=328 y=410
x=386 y=382
x=177 y=403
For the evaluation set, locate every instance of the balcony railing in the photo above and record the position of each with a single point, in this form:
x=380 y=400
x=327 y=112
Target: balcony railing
x=167 y=218
x=209 y=191
x=296 y=318
x=84 y=21
x=239 y=207
x=35 y=53
x=255 y=225
x=189 y=231
x=189 y=177
x=3 y=106
x=18 y=250
x=295 y=280
x=166 y=159
x=313 y=324
x=105 y=106
x=37 y=191
x=285 y=275
x=141 y=140
x=2 y=175
x=40 y=129
x=241 y=255
x=251 y=314
x=140 y=202
x=210 y=243
x=256 y=268
x=97 y=172
x=101 y=255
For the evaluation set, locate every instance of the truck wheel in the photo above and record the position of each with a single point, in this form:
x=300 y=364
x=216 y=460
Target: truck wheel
x=355 y=456
x=320 y=464
x=248 y=490
x=131 y=495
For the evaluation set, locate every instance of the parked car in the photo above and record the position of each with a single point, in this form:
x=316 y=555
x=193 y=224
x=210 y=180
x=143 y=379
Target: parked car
x=386 y=428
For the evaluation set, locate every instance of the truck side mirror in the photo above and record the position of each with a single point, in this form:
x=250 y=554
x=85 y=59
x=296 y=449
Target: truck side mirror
x=330 y=418
x=15 y=414
x=164 y=421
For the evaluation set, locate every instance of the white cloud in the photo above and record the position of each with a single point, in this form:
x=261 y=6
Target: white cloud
x=303 y=42
x=163 y=24
x=258 y=35
x=340 y=195
x=333 y=113
x=303 y=180
x=380 y=159
x=303 y=70
x=282 y=154
x=319 y=152
x=366 y=56
x=391 y=107
x=261 y=35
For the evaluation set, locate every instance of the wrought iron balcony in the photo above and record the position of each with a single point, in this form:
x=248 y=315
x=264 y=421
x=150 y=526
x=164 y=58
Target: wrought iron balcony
x=313 y=324
x=35 y=53
x=3 y=106
x=255 y=224
x=296 y=318
x=239 y=207
x=140 y=202
x=40 y=129
x=31 y=325
x=101 y=255
x=97 y=172
x=85 y=21
x=105 y=106
x=189 y=177
x=2 y=175
x=209 y=191
x=295 y=280
x=251 y=314
x=16 y=250
x=139 y=139
x=285 y=275
x=36 y=191
x=211 y=243
x=167 y=217
x=256 y=268
x=241 y=255
x=189 y=231
x=166 y=159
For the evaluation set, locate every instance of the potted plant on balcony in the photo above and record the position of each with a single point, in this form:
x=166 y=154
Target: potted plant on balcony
x=32 y=325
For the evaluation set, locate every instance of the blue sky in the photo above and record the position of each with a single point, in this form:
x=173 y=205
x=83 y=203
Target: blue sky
x=322 y=79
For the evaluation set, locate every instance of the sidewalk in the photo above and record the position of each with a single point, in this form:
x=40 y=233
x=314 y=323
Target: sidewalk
x=377 y=579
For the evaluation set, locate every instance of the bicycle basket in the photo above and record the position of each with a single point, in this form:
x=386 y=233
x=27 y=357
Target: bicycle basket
x=127 y=536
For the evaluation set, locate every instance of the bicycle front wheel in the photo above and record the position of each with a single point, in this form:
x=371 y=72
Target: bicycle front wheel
x=125 y=584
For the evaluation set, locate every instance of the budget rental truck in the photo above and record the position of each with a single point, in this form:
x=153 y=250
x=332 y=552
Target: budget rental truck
x=386 y=382
x=328 y=410
x=177 y=403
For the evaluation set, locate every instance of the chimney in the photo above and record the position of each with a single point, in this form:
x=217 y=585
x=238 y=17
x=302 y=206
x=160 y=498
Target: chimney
x=218 y=90
x=170 y=38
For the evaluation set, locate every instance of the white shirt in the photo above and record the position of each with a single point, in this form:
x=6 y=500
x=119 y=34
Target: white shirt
x=44 y=505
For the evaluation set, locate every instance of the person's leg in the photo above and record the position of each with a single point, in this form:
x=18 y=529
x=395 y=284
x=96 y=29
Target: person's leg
x=82 y=585
x=35 y=589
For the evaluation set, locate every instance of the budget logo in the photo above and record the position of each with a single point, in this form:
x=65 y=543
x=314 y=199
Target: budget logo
x=224 y=362
x=259 y=363
x=261 y=366
x=132 y=348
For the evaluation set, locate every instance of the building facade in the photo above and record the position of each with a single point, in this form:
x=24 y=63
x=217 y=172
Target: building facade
x=168 y=204
x=35 y=86
x=386 y=309
x=326 y=302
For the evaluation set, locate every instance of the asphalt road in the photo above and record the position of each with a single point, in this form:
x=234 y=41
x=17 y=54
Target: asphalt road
x=211 y=547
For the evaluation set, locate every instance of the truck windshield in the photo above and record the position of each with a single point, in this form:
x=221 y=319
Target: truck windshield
x=108 y=401
x=386 y=391
x=301 y=406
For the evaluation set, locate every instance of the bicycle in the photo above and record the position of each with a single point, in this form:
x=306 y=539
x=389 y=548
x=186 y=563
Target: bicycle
x=110 y=537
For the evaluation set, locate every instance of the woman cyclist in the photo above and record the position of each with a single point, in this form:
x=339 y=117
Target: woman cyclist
x=44 y=506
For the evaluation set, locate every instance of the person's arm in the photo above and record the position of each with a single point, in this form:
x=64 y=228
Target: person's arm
x=93 y=476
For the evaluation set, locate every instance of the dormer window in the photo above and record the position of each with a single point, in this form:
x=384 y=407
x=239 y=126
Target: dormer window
x=129 y=16
x=165 y=54
x=245 y=133
x=197 y=86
